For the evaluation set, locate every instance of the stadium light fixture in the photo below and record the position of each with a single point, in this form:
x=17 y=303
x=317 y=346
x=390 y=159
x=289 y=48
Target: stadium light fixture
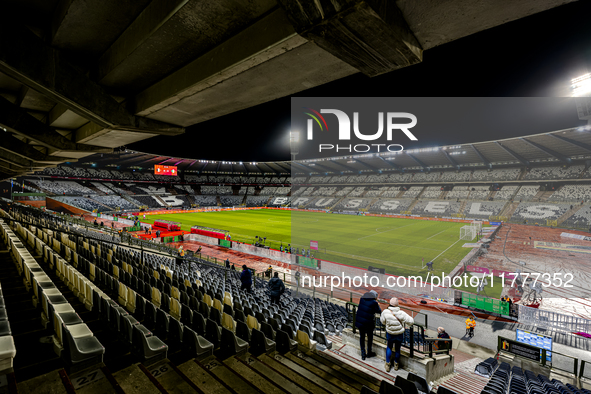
x=294 y=141
x=581 y=86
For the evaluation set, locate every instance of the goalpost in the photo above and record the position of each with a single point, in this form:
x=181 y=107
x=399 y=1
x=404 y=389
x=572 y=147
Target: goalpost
x=468 y=233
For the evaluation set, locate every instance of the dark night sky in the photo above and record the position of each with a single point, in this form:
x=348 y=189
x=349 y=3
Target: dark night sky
x=532 y=57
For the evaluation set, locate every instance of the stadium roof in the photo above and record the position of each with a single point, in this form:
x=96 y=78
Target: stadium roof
x=562 y=147
x=80 y=77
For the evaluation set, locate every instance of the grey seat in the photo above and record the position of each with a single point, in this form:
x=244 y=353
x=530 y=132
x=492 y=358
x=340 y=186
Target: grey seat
x=284 y=343
x=232 y=344
x=82 y=352
x=260 y=343
x=321 y=339
x=242 y=331
x=149 y=349
x=196 y=345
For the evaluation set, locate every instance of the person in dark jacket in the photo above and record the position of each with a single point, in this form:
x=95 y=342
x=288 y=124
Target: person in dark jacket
x=443 y=335
x=246 y=279
x=276 y=287
x=365 y=321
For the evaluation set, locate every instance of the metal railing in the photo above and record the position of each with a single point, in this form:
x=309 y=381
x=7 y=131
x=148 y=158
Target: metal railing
x=558 y=361
x=421 y=344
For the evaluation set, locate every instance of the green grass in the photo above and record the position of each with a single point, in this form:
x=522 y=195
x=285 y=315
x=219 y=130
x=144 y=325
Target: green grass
x=398 y=245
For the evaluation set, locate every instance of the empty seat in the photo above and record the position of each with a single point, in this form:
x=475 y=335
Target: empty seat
x=82 y=352
x=260 y=343
x=196 y=345
x=213 y=333
x=284 y=343
x=150 y=349
x=233 y=344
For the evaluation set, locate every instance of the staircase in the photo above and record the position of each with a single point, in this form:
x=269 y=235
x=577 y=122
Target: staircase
x=100 y=203
x=569 y=213
x=160 y=200
x=509 y=210
x=465 y=383
x=462 y=207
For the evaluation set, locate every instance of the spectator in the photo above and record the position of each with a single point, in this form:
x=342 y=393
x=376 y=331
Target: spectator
x=269 y=271
x=102 y=224
x=199 y=250
x=470 y=325
x=297 y=278
x=157 y=233
x=394 y=319
x=227 y=263
x=365 y=320
x=95 y=222
x=441 y=334
x=276 y=287
x=233 y=267
x=246 y=279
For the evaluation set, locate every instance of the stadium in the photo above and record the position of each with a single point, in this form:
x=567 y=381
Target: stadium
x=123 y=270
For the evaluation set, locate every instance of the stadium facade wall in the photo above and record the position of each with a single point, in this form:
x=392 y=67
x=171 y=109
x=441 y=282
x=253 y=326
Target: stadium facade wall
x=59 y=206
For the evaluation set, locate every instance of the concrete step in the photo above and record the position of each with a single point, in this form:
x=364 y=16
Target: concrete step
x=256 y=379
x=269 y=372
x=341 y=370
x=344 y=382
x=84 y=385
x=295 y=376
x=373 y=373
x=166 y=379
x=203 y=379
x=316 y=375
x=50 y=382
x=465 y=383
x=133 y=381
x=235 y=382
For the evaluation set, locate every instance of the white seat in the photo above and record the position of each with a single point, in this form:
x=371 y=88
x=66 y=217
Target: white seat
x=80 y=331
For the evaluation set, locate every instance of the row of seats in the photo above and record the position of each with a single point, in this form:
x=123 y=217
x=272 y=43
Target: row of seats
x=7 y=348
x=75 y=342
x=507 y=380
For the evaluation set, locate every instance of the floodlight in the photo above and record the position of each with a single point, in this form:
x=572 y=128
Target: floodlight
x=581 y=86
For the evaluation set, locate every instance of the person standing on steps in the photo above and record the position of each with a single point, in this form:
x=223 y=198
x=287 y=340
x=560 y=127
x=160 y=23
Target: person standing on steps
x=365 y=321
x=395 y=320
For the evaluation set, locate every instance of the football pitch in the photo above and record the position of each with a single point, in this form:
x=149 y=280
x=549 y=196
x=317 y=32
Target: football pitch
x=398 y=245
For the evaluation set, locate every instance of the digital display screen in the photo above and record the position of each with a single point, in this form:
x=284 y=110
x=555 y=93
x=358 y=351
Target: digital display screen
x=536 y=340
x=165 y=170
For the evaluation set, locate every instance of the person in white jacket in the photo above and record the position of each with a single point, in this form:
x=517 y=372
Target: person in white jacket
x=394 y=320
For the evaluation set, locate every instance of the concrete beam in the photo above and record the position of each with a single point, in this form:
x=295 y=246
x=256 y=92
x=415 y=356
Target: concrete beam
x=548 y=151
x=481 y=156
x=267 y=38
x=16 y=160
x=515 y=155
x=154 y=16
x=27 y=59
x=20 y=122
x=26 y=151
x=418 y=161
x=370 y=35
x=582 y=145
x=451 y=160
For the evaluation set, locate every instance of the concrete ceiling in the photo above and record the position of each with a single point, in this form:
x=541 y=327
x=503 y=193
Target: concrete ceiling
x=82 y=77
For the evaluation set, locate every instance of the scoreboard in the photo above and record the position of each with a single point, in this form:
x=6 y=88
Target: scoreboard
x=165 y=170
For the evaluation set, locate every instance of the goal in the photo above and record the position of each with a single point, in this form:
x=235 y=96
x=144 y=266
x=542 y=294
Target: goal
x=468 y=233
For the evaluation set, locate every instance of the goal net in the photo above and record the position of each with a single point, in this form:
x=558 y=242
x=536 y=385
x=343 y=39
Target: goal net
x=477 y=224
x=468 y=233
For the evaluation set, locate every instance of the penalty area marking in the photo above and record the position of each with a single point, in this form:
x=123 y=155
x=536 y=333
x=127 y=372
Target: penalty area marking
x=445 y=250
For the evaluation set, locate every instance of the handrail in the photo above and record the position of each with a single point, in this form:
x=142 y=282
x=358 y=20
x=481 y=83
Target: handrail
x=425 y=346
